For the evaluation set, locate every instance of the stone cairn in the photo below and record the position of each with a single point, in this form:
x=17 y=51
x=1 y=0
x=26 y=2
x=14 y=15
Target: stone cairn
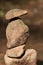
x=17 y=33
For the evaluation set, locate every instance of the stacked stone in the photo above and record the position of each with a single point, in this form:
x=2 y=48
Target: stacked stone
x=17 y=33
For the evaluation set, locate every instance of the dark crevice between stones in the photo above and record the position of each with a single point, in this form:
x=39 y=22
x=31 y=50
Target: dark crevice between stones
x=19 y=56
x=15 y=46
x=13 y=19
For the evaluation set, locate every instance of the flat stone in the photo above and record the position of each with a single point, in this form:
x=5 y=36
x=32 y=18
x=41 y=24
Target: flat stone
x=15 y=13
x=16 y=52
x=29 y=58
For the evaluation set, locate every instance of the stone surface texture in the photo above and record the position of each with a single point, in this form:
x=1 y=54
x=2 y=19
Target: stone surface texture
x=16 y=52
x=17 y=34
x=29 y=58
x=15 y=13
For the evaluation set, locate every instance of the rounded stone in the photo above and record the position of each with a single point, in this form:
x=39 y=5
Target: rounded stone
x=16 y=27
x=16 y=33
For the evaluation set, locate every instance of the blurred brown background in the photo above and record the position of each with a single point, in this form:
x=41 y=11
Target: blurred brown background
x=34 y=19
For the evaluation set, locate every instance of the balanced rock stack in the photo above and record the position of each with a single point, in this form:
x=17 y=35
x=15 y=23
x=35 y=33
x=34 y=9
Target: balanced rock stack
x=17 y=33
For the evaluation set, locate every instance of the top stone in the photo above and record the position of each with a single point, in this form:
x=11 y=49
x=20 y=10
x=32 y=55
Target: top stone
x=15 y=13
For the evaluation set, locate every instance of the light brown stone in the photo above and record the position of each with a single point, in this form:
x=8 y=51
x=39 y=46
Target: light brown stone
x=16 y=28
x=16 y=33
x=15 y=13
x=18 y=41
x=29 y=58
x=16 y=52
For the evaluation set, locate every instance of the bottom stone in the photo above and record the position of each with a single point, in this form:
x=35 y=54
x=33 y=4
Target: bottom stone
x=29 y=58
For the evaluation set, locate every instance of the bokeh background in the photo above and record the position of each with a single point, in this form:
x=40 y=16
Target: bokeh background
x=34 y=20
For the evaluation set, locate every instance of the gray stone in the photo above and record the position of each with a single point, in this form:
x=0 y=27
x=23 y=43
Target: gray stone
x=16 y=52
